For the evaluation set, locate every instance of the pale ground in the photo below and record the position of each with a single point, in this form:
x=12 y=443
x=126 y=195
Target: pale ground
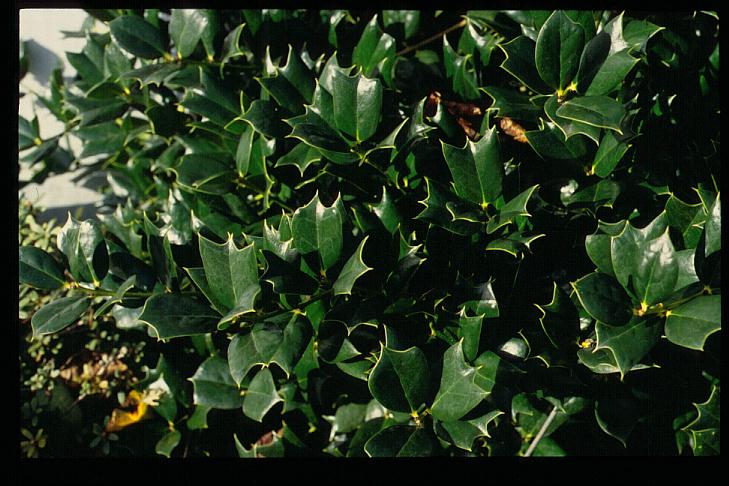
x=47 y=47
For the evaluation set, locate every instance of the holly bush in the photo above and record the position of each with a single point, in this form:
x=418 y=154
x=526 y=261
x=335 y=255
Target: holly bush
x=397 y=233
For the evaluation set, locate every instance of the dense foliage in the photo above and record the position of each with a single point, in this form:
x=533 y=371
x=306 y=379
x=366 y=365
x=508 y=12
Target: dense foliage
x=392 y=233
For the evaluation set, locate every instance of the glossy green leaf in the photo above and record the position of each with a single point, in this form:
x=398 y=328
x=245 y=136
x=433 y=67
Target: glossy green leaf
x=318 y=228
x=610 y=74
x=167 y=443
x=650 y=264
x=435 y=210
x=462 y=433
x=690 y=324
x=713 y=227
x=603 y=298
x=400 y=441
x=410 y=19
x=264 y=117
x=205 y=174
x=373 y=47
x=636 y=33
x=512 y=103
x=291 y=85
x=462 y=72
x=83 y=244
x=569 y=127
x=214 y=387
x=476 y=168
x=511 y=210
x=560 y=321
x=592 y=58
x=597 y=111
x=354 y=268
x=301 y=156
x=519 y=62
x=400 y=379
x=268 y=343
x=705 y=428
x=260 y=396
x=186 y=29
x=172 y=315
x=617 y=417
x=557 y=50
x=232 y=275
x=137 y=36
x=602 y=361
x=608 y=154
x=458 y=393
x=357 y=102
x=117 y=297
x=629 y=343
x=39 y=269
x=58 y=314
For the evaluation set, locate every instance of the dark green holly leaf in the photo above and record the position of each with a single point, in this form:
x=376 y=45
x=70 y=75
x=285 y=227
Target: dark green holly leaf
x=458 y=392
x=260 y=396
x=400 y=441
x=215 y=101
x=476 y=168
x=569 y=127
x=519 y=63
x=435 y=211
x=186 y=28
x=610 y=74
x=559 y=320
x=713 y=227
x=705 y=428
x=636 y=34
x=373 y=47
x=102 y=138
x=400 y=379
x=516 y=207
x=118 y=296
x=599 y=194
x=685 y=217
x=604 y=299
x=629 y=343
x=472 y=40
x=39 y=269
x=650 y=264
x=609 y=153
x=166 y=121
x=214 y=387
x=231 y=46
x=58 y=314
x=462 y=72
x=291 y=85
x=137 y=36
x=462 y=433
x=232 y=275
x=83 y=244
x=352 y=270
x=602 y=361
x=153 y=73
x=512 y=103
x=592 y=58
x=690 y=324
x=263 y=116
x=357 y=103
x=409 y=18
x=515 y=244
x=557 y=50
x=268 y=343
x=597 y=111
x=204 y=173
x=167 y=443
x=301 y=156
x=617 y=417
x=313 y=130
x=317 y=228
x=172 y=315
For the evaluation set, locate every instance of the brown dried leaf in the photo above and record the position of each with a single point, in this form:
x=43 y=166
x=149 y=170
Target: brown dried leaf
x=513 y=129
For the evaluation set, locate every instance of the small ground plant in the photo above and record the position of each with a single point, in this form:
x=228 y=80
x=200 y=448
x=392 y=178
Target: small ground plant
x=383 y=233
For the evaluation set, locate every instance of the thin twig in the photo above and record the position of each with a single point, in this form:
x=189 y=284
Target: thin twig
x=541 y=432
x=432 y=38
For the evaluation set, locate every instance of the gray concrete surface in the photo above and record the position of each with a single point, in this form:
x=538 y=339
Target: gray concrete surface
x=46 y=48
